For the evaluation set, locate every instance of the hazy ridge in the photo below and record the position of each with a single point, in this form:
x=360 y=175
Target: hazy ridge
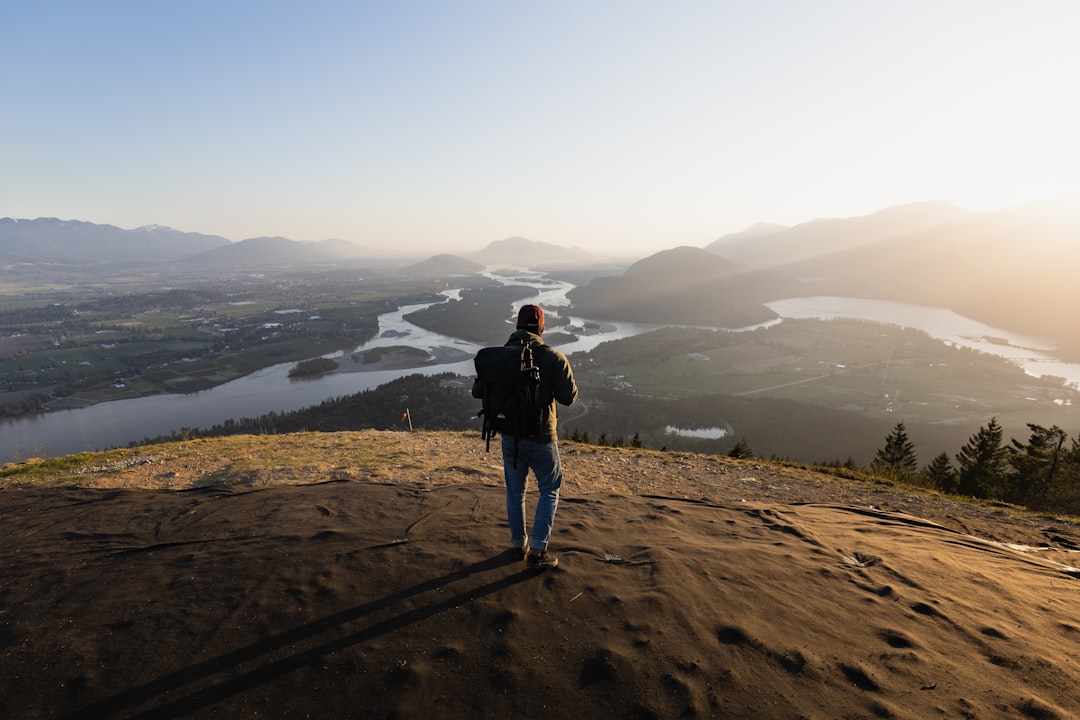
x=53 y=239
x=685 y=285
x=1011 y=268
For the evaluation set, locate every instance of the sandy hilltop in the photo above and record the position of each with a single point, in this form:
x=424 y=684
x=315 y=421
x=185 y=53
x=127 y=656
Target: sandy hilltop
x=365 y=575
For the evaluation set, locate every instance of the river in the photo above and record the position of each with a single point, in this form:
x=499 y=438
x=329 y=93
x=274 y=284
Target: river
x=115 y=424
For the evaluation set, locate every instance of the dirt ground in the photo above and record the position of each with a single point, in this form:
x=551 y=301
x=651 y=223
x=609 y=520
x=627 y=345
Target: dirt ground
x=368 y=574
x=449 y=458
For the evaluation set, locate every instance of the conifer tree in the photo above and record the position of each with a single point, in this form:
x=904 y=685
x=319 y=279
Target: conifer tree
x=939 y=474
x=1035 y=465
x=741 y=450
x=983 y=463
x=897 y=460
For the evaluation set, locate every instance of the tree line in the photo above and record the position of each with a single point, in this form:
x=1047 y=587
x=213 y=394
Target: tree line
x=1041 y=473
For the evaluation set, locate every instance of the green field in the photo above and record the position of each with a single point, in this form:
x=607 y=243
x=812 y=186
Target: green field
x=79 y=345
x=876 y=371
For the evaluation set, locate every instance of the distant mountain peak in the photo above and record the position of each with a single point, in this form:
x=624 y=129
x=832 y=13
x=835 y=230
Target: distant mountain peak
x=520 y=243
x=682 y=265
x=522 y=251
x=444 y=265
x=764 y=228
x=514 y=240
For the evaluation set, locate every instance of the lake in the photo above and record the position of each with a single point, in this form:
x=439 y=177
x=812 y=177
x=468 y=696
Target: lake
x=1035 y=355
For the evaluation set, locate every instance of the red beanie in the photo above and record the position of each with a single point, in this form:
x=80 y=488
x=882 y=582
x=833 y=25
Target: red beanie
x=531 y=318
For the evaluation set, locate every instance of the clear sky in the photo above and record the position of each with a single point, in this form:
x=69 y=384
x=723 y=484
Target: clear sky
x=447 y=124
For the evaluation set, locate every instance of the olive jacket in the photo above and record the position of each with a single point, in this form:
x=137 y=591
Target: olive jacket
x=556 y=381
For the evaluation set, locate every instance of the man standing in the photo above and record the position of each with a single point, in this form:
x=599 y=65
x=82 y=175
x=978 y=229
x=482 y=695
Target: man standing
x=540 y=450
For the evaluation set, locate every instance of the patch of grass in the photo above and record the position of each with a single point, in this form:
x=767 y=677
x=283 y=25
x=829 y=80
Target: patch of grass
x=48 y=469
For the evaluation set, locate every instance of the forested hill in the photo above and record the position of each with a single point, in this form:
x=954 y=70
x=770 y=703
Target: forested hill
x=1013 y=269
x=687 y=286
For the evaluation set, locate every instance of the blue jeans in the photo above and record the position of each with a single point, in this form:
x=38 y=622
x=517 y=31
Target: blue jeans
x=543 y=459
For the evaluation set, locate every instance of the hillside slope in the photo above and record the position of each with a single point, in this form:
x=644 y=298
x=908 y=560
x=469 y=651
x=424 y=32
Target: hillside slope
x=1010 y=268
x=775 y=246
x=339 y=574
x=684 y=285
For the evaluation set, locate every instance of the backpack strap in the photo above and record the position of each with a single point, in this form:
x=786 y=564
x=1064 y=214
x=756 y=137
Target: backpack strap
x=532 y=390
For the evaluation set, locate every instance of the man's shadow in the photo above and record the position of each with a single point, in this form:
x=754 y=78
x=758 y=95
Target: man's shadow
x=262 y=673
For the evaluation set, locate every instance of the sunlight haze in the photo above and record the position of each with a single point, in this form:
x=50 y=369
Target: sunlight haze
x=611 y=126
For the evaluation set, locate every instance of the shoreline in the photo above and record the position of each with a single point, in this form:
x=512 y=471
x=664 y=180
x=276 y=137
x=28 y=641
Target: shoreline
x=399 y=357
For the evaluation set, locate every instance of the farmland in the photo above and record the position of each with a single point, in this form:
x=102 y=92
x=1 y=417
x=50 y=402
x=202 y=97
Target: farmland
x=69 y=346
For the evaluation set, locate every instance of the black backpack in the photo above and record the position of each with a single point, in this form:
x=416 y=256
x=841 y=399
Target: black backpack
x=511 y=391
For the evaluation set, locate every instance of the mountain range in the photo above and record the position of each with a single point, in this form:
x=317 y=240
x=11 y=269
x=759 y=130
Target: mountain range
x=54 y=240
x=765 y=245
x=1011 y=268
x=1014 y=268
x=50 y=239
